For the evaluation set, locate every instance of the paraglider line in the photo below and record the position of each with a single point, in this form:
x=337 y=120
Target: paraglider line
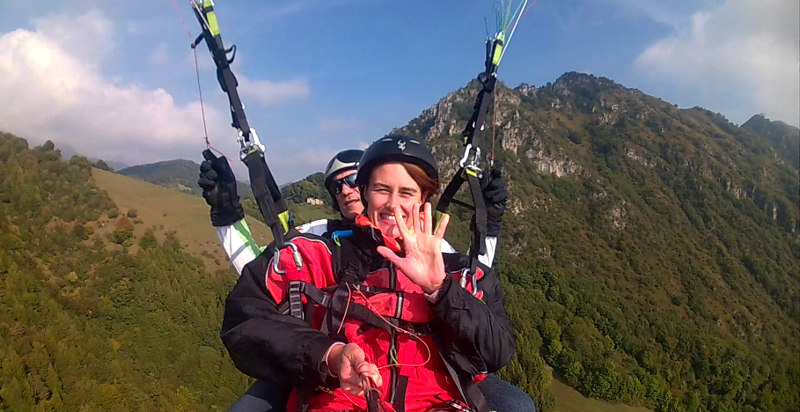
x=197 y=75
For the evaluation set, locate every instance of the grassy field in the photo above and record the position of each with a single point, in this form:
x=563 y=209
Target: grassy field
x=164 y=210
x=570 y=400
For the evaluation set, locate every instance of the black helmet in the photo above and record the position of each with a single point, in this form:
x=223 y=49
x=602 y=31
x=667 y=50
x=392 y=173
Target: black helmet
x=344 y=160
x=396 y=148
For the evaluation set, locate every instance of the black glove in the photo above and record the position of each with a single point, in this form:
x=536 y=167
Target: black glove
x=495 y=197
x=219 y=190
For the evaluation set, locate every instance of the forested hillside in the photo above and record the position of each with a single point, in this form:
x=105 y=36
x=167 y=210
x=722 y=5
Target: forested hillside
x=312 y=186
x=650 y=253
x=87 y=325
x=179 y=174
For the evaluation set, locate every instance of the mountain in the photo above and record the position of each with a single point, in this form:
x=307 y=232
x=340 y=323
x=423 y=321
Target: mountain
x=68 y=151
x=177 y=174
x=650 y=253
x=102 y=310
x=313 y=186
x=782 y=136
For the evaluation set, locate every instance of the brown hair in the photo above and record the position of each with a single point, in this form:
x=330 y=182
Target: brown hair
x=427 y=185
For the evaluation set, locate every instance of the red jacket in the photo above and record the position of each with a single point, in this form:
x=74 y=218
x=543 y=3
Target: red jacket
x=267 y=342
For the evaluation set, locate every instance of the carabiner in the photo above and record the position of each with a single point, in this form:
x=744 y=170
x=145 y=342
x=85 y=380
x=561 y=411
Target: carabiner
x=276 y=257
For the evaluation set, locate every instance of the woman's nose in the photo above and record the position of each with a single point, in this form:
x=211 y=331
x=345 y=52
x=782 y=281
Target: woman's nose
x=393 y=200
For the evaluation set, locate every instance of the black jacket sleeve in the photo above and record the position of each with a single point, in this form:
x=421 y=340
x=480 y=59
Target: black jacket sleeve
x=476 y=333
x=265 y=344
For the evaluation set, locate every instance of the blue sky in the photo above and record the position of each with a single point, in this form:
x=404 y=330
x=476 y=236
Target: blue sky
x=116 y=80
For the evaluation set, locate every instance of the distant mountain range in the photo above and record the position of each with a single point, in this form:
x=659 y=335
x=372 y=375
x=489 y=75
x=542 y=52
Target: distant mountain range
x=177 y=174
x=182 y=175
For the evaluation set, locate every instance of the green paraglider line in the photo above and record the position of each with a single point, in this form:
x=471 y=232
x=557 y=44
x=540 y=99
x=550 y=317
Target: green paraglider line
x=508 y=19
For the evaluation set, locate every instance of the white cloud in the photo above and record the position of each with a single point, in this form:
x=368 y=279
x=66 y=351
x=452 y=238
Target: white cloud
x=52 y=82
x=53 y=91
x=738 y=55
x=670 y=13
x=89 y=36
x=271 y=93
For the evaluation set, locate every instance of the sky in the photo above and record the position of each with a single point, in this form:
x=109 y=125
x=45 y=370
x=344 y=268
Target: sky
x=116 y=80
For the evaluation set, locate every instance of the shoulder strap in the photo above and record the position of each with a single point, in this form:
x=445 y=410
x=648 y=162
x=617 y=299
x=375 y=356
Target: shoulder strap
x=469 y=391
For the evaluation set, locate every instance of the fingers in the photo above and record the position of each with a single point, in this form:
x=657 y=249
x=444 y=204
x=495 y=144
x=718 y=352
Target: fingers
x=415 y=222
x=428 y=223
x=348 y=379
x=208 y=176
x=401 y=223
x=361 y=378
x=389 y=255
x=205 y=182
x=355 y=373
x=206 y=166
x=211 y=174
x=208 y=155
x=351 y=384
x=442 y=226
x=221 y=164
x=370 y=372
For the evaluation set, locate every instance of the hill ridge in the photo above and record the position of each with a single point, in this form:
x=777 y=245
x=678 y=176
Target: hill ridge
x=623 y=206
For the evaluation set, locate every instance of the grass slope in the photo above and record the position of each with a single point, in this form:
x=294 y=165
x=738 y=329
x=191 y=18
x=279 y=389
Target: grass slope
x=170 y=210
x=570 y=400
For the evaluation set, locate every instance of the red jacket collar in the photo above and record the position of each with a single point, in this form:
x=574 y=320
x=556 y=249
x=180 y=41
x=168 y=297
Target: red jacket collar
x=390 y=242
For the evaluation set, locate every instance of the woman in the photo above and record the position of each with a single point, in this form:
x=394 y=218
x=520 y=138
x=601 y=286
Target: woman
x=379 y=318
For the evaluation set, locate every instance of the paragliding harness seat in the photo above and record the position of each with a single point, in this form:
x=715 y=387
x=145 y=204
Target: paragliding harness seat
x=385 y=308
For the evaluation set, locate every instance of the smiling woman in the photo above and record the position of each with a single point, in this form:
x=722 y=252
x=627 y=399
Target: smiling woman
x=396 y=171
x=391 y=186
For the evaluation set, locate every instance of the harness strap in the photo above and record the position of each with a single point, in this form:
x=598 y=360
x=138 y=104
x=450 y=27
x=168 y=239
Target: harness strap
x=303 y=399
x=479 y=218
x=483 y=102
x=295 y=299
x=268 y=196
x=339 y=306
x=337 y=310
x=479 y=235
x=293 y=305
x=399 y=401
x=466 y=387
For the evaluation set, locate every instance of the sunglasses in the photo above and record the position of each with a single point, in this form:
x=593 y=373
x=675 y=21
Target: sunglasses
x=336 y=185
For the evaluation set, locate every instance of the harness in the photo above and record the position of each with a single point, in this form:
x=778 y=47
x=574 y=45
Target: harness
x=333 y=309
